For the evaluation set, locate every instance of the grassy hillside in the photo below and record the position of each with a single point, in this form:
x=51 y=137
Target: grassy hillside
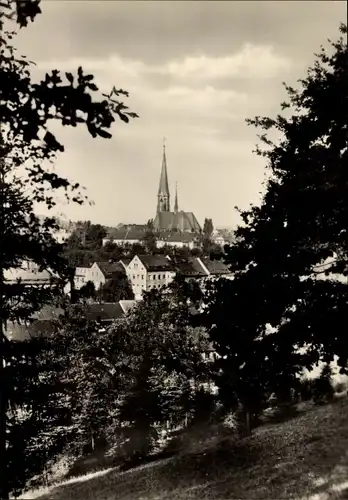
x=306 y=457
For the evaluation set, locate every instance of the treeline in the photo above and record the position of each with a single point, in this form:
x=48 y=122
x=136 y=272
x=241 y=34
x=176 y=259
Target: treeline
x=85 y=245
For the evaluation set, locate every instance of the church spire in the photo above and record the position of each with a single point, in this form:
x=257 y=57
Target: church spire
x=163 y=204
x=176 y=205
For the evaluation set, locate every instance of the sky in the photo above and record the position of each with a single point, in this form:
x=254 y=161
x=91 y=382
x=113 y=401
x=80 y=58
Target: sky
x=195 y=70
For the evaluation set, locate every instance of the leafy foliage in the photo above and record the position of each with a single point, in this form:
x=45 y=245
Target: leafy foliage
x=277 y=316
x=116 y=288
x=127 y=382
x=27 y=150
x=149 y=238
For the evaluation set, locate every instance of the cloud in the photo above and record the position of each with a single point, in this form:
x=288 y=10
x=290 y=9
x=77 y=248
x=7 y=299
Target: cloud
x=251 y=61
x=186 y=91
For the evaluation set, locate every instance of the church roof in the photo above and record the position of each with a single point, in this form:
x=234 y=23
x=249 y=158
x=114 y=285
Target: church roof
x=180 y=221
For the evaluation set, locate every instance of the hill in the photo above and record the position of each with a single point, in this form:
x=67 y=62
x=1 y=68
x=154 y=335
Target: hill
x=303 y=458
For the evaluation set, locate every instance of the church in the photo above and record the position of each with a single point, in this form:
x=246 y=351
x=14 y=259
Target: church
x=178 y=220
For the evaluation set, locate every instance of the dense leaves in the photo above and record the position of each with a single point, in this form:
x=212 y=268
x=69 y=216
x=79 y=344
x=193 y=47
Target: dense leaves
x=27 y=150
x=278 y=315
x=116 y=288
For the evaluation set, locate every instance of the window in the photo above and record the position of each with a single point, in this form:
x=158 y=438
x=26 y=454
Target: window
x=142 y=276
x=133 y=277
x=164 y=276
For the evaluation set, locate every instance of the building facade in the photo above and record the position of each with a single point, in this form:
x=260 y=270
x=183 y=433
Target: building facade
x=149 y=272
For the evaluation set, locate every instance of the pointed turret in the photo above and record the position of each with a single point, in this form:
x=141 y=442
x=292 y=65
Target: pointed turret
x=176 y=205
x=163 y=204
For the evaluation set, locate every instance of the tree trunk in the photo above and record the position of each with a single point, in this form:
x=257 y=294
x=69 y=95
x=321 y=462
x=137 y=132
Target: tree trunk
x=4 y=494
x=245 y=421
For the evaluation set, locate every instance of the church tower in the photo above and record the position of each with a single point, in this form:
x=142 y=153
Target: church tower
x=163 y=203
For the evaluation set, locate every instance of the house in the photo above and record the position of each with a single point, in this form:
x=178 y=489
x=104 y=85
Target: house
x=177 y=240
x=215 y=267
x=201 y=267
x=29 y=274
x=148 y=272
x=43 y=323
x=126 y=235
x=132 y=235
x=100 y=272
x=124 y=262
x=105 y=313
x=191 y=267
x=80 y=277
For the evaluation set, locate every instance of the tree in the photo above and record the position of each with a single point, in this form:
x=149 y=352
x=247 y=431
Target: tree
x=166 y=372
x=208 y=229
x=87 y=291
x=27 y=147
x=149 y=238
x=20 y=11
x=116 y=288
x=89 y=235
x=279 y=305
x=123 y=382
x=110 y=251
x=38 y=424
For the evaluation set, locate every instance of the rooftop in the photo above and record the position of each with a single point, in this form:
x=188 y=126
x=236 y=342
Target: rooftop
x=190 y=267
x=110 y=268
x=156 y=262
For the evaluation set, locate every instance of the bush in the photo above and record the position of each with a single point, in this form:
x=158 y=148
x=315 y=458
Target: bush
x=340 y=387
x=322 y=390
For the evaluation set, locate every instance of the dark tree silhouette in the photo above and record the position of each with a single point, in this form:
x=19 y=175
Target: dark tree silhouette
x=27 y=148
x=299 y=230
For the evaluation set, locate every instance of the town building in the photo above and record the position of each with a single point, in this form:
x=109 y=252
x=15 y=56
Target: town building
x=29 y=274
x=80 y=277
x=107 y=312
x=200 y=267
x=43 y=323
x=100 y=272
x=148 y=272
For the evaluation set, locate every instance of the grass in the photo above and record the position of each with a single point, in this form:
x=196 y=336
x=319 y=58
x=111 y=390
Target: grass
x=302 y=458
